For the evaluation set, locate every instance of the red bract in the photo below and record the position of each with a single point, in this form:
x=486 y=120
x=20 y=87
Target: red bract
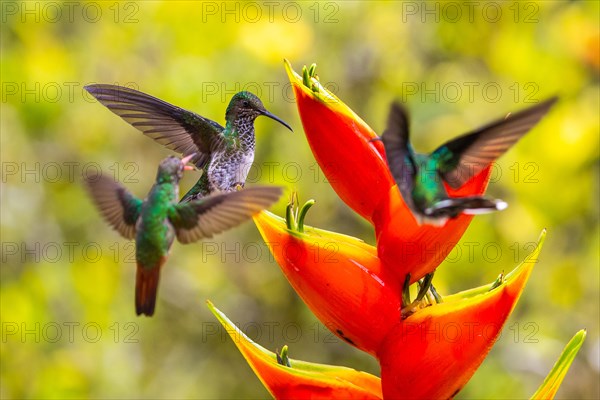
x=406 y=247
x=434 y=352
x=339 y=140
x=340 y=279
x=358 y=172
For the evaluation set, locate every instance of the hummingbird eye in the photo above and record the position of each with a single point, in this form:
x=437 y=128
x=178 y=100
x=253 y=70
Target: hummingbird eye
x=246 y=104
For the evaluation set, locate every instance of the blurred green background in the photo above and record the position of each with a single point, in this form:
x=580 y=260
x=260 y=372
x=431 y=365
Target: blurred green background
x=68 y=324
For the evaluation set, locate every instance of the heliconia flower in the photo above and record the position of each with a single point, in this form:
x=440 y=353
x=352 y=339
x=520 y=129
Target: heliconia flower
x=286 y=378
x=339 y=140
x=340 y=278
x=357 y=170
x=552 y=382
x=435 y=351
x=406 y=247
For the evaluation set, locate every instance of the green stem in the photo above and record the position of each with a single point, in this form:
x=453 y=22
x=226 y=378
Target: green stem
x=425 y=285
x=302 y=214
x=294 y=217
x=289 y=217
x=406 y=290
x=424 y=288
x=283 y=358
x=499 y=281
x=436 y=295
x=305 y=77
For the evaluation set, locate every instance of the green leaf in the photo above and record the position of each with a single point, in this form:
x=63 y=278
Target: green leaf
x=555 y=377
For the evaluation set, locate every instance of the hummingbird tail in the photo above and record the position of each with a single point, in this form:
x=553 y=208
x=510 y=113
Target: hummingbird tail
x=472 y=205
x=482 y=205
x=146 y=286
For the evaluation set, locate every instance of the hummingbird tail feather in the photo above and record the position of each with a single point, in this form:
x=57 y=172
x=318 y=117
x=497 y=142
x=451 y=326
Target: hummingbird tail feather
x=146 y=286
x=472 y=205
x=485 y=206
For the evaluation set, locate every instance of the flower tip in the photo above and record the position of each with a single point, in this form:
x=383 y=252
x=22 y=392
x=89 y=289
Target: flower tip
x=292 y=75
x=530 y=260
x=541 y=240
x=222 y=318
x=212 y=308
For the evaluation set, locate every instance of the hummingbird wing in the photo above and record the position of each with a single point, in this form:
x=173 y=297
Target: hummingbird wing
x=177 y=129
x=117 y=205
x=216 y=213
x=399 y=155
x=467 y=155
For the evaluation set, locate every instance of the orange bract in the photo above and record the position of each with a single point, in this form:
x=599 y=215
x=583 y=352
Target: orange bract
x=434 y=352
x=303 y=380
x=339 y=278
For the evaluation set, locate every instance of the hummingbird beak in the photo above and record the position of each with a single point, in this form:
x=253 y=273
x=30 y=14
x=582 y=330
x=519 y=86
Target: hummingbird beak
x=186 y=160
x=276 y=118
x=378 y=138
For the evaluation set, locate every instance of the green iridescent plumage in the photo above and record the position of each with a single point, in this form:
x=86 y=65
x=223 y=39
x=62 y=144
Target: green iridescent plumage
x=421 y=178
x=155 y=222
x=224 y=154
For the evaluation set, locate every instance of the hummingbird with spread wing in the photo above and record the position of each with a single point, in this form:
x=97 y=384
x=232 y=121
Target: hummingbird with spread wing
x=224 y=154
x=157 y=220
x=421 y=177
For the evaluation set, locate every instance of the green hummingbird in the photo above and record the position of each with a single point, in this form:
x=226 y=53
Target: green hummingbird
x=421 y=177
x=156 y=221
x=224 y=154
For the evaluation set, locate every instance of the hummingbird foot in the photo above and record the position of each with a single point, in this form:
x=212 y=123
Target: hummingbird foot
x=238 y=186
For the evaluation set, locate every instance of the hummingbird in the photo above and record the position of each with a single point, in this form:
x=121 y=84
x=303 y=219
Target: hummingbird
x=224 y=154
x=421 y=177
x=157 y=220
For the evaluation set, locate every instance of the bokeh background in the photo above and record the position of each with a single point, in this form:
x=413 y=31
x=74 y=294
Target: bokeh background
x=68 y=324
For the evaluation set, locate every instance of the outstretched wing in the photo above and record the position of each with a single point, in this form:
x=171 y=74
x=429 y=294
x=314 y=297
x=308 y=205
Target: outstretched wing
x=399 y=155
x=177 y=129
x=117 y=205
x=466 y=156
x=216 y=213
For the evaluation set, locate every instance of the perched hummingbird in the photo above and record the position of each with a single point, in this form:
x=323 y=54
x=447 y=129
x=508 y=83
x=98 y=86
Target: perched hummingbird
x=157 y=220
x=421 y=177
x=224 y=154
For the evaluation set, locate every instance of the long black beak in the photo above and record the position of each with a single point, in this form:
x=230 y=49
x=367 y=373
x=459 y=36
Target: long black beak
x=276 y=118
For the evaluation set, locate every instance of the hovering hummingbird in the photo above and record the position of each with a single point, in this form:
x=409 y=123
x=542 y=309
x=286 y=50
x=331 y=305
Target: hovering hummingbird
x=157 y=220
x=224 y=154
x=421 y=177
